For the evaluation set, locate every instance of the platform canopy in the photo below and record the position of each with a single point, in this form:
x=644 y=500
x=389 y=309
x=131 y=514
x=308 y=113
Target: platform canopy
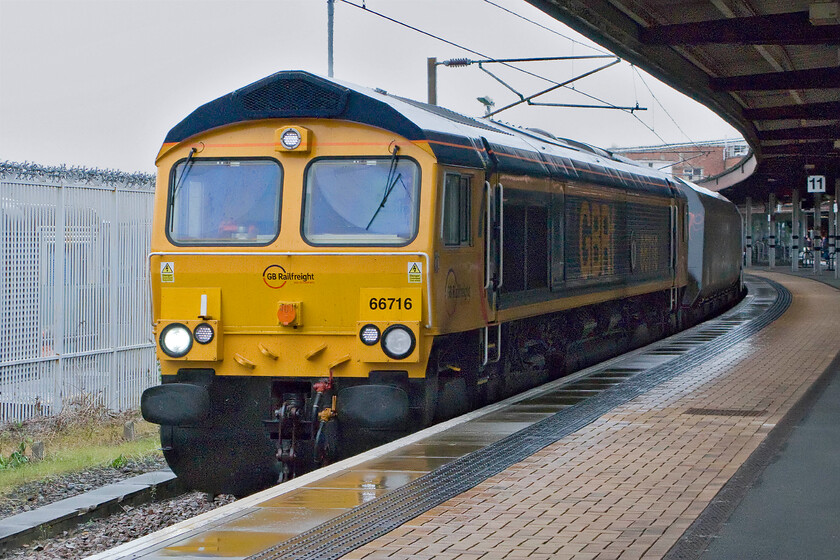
x=768 y=67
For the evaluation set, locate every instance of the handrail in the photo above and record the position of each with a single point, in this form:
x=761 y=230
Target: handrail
x=489 y=231
x=501 y=236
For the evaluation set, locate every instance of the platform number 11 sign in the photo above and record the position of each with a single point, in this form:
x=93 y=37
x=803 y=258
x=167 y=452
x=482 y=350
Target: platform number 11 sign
x=816 y=183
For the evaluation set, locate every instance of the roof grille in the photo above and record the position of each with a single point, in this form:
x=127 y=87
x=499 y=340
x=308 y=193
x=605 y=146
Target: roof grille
x=296 y=97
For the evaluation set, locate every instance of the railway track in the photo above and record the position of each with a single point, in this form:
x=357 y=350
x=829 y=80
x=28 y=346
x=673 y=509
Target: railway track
x=574 y=402
x=66 y=514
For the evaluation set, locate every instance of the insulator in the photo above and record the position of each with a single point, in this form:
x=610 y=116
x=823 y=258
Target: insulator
x=457 y=62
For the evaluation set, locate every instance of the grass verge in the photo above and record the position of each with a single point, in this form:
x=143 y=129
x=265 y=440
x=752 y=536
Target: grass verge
x=76 y=459
x=84 y=435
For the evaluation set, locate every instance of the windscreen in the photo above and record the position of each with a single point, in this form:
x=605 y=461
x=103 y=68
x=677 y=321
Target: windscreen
x=221 y=202
x=370 y=201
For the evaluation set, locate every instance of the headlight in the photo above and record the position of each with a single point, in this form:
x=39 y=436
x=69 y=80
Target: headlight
x=203 y=333
x=398 y=342
x=175 y=340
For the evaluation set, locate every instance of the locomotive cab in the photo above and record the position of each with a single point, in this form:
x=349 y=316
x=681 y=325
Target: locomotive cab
x=290 y=263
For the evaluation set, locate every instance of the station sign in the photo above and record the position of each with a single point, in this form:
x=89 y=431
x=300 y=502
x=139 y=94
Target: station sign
x=816 y=183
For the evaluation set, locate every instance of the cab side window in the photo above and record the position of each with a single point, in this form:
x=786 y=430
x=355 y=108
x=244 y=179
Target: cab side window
x=457 y=206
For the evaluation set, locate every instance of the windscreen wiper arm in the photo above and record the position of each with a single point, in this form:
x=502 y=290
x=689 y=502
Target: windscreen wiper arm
x=187 y=167
x=389 y=186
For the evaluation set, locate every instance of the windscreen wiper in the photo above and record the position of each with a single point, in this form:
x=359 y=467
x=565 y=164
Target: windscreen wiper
x=390 y=183
x=187 y=167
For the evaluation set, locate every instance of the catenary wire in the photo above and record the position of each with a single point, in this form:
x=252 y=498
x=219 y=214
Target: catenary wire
x=477 y=53
x=632 y=66
x=673 y=120
x=596 y=49
x=447 y=41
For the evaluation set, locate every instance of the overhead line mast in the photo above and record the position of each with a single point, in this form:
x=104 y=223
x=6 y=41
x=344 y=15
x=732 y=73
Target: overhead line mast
x=330 y=29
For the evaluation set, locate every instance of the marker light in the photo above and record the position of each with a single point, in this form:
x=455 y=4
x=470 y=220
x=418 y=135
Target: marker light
x=397 y=342
x=203 y=333
x=290 y=139
x=176 y=340
x=369 y=334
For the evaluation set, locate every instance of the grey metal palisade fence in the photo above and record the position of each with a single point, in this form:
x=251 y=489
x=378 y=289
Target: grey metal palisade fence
x=74 y=304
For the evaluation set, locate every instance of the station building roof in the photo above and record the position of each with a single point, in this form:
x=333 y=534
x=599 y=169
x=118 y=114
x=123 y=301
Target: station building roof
x=771 y=68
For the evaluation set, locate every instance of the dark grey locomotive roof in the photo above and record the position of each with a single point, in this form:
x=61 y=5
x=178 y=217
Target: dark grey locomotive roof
x=455 y=139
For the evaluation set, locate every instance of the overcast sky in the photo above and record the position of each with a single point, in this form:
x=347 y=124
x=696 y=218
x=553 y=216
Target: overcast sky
x=100 y=82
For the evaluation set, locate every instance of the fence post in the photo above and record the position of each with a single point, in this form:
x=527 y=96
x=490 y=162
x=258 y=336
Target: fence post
x=113 y=299
x=58 y=297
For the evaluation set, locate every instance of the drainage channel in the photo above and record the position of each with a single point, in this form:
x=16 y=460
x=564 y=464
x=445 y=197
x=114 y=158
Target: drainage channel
x=587 y=399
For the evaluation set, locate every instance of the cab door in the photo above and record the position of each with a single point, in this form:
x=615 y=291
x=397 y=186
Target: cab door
x=493 y=234
x=493 y=214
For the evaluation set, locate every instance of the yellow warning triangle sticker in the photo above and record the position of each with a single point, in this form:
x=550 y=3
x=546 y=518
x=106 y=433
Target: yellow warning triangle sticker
x=166 y=269
x=414 y=269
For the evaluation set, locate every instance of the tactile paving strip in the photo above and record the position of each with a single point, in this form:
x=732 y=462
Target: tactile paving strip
x=371 y=520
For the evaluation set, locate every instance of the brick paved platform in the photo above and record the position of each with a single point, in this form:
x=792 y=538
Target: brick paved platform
x=630 y=484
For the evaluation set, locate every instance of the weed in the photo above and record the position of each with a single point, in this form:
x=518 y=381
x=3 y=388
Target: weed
x=16 y=459
x=119 y=462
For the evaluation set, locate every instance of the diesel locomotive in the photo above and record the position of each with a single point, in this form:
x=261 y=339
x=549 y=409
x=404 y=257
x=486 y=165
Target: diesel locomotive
x=333 y=267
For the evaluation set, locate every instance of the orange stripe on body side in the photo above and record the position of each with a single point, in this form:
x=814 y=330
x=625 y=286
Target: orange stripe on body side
x=418 y=143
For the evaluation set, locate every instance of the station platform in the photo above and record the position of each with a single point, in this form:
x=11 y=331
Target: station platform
x=720 y=442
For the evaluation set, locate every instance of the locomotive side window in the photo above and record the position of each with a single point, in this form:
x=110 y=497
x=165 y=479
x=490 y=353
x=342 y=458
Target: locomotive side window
x=457 y=205
x=371 y=201
x=224 y=202
x=537 y=269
